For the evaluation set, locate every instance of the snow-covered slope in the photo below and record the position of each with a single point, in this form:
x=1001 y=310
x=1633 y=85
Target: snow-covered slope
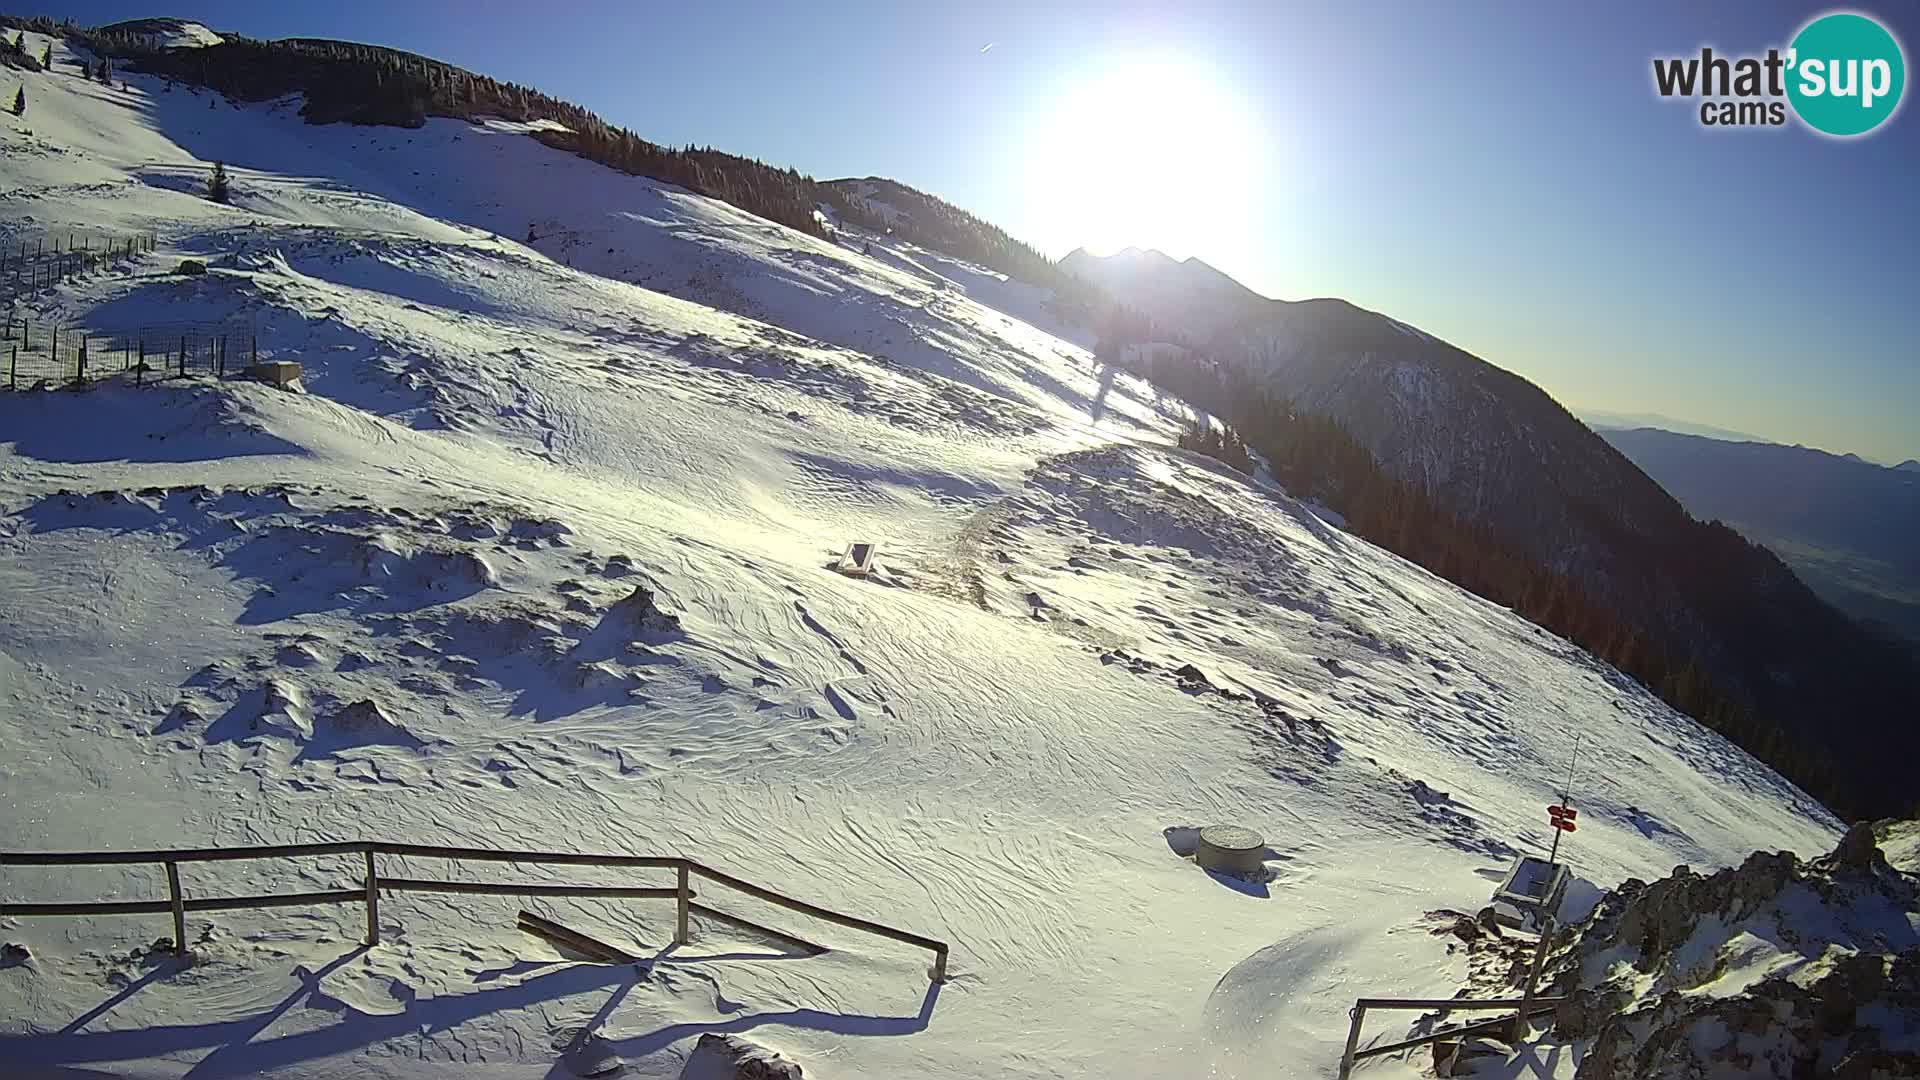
x=168 y=33
x=541 y=559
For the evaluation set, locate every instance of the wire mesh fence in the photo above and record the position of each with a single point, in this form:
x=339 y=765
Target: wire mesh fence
x=35 y=263
x=38 y=355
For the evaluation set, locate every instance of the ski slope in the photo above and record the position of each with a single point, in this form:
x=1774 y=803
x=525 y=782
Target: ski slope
x=987 y=741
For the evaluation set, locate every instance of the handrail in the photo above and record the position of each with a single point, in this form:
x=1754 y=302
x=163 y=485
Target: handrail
x=114 y=858
x=1526 y=1007
x=367 y=893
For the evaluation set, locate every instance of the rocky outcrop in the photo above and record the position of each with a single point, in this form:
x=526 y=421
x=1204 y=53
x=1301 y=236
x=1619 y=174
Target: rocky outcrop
x=1775 y=968
x=730 y=1057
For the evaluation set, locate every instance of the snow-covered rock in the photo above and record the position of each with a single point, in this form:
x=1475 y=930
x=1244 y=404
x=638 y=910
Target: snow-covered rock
x=1776 y=968
x=730 y=1057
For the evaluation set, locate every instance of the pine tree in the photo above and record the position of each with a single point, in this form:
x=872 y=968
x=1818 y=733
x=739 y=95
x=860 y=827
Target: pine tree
x=20 y=101
x=218 y=188
x=46 y=56
x=105 y=74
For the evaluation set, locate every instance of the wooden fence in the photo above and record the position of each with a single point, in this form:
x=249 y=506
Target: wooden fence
x=26 y=265
x=36 y=354
x=178 y=903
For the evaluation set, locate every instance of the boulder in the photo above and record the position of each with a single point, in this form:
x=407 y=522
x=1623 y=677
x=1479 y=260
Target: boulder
x=730 y=1057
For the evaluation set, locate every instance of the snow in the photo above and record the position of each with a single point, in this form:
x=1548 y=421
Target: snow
x=201 y=584
x=174 y=33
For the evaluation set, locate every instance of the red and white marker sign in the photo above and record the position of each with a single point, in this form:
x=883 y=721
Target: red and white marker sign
x=1562 y=817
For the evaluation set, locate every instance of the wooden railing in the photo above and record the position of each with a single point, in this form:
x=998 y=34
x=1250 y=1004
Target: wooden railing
x=178 y=903
x=1525 y=1008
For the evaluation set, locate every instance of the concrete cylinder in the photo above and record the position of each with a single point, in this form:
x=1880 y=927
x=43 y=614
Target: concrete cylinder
x=1230 y=849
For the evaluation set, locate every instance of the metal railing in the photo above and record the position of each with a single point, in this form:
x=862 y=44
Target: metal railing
x=178 y=903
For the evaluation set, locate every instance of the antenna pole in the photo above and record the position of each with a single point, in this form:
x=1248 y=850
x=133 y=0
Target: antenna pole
x=1566 y=793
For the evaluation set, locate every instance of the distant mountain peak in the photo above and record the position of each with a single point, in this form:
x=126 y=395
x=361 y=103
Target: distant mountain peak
x=1910 y=465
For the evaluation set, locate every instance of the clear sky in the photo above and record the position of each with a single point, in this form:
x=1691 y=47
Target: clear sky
x=1500 y=174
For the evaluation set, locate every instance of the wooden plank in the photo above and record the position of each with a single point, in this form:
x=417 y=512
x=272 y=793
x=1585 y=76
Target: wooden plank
x=207 y=903
x=372 y=883
x=509 y=888
x=89 y=907
x=1460 y=1004
x=569 y=938
x=1474 y=1028
x=684 y=896
x=811 y=948
x=1358 y=1016
x=554 y=858
x=801 y=906
x=343 y=847
x=306 y=899
x=112 y=858
x=178 y=903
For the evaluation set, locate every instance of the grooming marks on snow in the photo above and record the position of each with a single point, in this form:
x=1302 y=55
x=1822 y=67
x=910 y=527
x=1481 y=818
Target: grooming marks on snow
x=537 y=563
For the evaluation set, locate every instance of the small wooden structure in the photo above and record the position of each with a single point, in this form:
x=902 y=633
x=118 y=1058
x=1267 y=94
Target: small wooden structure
x=858 y=561
x=278 y=373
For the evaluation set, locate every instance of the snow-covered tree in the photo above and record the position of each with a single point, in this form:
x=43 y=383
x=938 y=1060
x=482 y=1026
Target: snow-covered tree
x=20 y=102
x=219 y=189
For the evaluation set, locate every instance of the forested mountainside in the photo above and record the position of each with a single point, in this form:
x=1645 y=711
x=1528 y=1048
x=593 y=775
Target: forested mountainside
x=1846 y=526
x=882 y=205
x=370 y=84
x=1482 y=477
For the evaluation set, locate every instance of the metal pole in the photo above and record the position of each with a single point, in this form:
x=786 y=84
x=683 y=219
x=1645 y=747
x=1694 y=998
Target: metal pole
x=1359 y=1014
x=179 y=909
x=373 y=902
x=680 y=934
x=13 y=368
x=140 y=372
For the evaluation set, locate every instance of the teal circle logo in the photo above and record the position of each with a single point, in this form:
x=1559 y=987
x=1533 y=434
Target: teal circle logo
x=1846 y=74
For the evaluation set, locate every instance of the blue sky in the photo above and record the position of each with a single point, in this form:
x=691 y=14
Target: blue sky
x=1499 y=174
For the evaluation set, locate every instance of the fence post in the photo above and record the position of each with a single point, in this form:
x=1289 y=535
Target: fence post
x=179 y=909
x=680 y=934
x=1359 y=1014
x=80 y=368
x=1522 y=1021
x=140 y=372
x=13 y=367
x=55 y=347
x=373 y=902
x=183 y=355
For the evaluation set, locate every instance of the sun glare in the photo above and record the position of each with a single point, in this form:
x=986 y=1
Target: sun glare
x=1148 y=152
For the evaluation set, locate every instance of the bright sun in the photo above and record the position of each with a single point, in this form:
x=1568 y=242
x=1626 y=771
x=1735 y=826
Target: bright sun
x=1151 y=152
